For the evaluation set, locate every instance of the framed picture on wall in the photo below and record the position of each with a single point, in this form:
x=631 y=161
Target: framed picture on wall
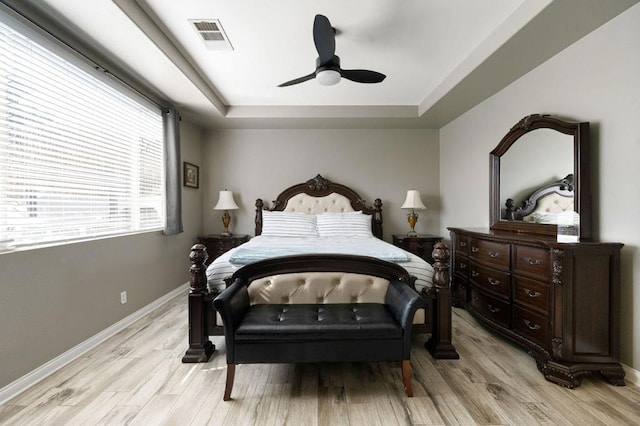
x=190 y=175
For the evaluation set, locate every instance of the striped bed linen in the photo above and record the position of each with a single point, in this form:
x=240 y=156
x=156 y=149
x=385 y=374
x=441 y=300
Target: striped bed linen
x=262 y=247
x=222 y=267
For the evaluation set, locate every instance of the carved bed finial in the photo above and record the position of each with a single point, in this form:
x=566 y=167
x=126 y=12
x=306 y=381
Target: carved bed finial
x=440 y=265
x=198 y=277
x=318 y=183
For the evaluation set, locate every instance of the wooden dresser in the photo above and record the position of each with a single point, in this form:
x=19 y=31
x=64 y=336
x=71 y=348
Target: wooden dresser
x=560 y=301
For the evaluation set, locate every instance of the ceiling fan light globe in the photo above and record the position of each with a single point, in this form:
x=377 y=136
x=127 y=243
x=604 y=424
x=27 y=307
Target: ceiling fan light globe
x=328 y=77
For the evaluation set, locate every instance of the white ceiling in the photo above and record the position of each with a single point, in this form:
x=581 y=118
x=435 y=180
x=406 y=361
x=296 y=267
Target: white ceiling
x=440 y=57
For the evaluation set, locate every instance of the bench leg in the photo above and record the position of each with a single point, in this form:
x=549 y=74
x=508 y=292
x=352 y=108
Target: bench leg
x=231 y=372
x=406 y=377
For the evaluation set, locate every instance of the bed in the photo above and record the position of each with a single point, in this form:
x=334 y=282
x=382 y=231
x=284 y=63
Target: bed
x=319 y=216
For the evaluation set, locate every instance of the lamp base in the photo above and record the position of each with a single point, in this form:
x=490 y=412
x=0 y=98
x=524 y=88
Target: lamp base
x=226 y=219
x=412 y=218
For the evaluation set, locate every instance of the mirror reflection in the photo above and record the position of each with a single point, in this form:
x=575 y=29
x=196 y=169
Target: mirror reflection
x=540 y=159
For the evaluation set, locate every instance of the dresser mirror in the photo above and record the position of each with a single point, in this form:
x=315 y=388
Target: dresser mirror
x=540 y=168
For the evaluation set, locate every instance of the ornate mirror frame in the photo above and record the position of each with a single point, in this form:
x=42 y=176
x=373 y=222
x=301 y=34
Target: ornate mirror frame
x=581 y=171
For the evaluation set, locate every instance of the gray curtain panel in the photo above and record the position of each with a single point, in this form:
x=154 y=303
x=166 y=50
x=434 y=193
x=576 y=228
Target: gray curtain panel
x=173 y=201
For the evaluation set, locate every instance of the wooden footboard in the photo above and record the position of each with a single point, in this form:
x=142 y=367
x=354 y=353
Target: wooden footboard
x=202 y=318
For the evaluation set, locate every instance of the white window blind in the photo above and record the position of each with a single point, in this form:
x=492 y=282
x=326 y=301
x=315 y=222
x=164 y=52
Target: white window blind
x=78 y=158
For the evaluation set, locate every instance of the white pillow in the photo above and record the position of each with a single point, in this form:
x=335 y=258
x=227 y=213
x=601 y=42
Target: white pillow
x=288 y=224
x=351 y=212
x=344 y=224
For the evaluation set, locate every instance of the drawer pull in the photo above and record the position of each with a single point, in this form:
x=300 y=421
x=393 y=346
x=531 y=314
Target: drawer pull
x=493 y=254
x=531 y=325
x=463 y=244
x=475 y=274
x=474 y=249
x=531 y=261
x=532 y=293
x=493 y=281
x=462 y=265
x=492 y=308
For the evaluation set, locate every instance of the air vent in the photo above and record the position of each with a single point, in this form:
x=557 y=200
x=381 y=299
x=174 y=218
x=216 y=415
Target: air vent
x=211 y=33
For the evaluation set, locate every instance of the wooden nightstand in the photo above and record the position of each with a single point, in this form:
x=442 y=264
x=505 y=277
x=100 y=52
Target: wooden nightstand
x=420 y=244
x=218 y=244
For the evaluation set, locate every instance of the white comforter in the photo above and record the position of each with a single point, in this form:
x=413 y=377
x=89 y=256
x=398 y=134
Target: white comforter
x=262 y=247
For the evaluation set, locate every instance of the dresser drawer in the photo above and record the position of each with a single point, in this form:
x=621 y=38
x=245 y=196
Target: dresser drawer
x=532 y=261
x=532 y=294
x=491 y=307
x=224 y=245
x=461 y=265
x=461 y=244
x=489 y=252
x=459 y=290
x=489 y=279
x=531 y=326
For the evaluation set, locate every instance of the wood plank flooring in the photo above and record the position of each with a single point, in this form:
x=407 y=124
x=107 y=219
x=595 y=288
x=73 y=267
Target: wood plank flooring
x=136 y=378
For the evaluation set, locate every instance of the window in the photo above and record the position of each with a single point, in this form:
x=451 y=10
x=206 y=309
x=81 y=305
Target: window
x=78 y=158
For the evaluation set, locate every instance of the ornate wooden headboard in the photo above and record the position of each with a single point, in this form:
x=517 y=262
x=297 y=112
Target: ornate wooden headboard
x=557 y=195
x=319 y=195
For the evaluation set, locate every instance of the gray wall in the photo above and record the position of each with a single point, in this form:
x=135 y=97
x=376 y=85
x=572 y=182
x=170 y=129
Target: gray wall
x=376 y=163
x=53 y=298
x=594 y=80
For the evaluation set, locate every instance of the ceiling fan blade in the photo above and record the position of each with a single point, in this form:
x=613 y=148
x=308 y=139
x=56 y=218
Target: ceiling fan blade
x=298 y=80
x=324 y=37
x=362 y=76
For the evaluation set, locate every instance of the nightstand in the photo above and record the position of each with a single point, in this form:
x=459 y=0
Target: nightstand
x=218 y=244
x=420 y=244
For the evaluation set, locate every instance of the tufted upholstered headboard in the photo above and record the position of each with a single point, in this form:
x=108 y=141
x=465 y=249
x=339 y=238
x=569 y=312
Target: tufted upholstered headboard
x=545 y=203
x=320 y=195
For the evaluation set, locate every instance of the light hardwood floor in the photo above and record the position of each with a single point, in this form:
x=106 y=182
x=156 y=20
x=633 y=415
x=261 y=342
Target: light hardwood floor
x=136 y=377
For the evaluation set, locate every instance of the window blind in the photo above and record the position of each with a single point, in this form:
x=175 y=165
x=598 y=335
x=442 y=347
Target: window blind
x=78 y=158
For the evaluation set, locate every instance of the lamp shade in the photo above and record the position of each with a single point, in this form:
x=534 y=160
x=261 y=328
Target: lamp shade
x=413 y=201
x=226 y=201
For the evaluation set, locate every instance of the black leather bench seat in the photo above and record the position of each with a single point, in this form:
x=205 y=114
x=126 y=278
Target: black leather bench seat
x=313 y=322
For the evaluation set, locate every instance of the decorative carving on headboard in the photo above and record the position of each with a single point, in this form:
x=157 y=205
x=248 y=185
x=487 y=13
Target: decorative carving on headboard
x=318 y=183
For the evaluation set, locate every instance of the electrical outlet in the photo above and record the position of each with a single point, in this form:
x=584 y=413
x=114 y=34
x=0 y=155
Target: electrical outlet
x=123 y=297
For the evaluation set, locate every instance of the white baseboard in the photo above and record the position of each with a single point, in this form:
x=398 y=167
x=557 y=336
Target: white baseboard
x=18 y=386
x=631 y=376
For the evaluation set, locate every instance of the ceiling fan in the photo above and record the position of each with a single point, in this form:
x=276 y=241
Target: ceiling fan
x=328 y=71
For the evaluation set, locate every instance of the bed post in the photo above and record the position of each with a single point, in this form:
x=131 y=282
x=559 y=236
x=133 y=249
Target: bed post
x=258 y=219
x=200 y=348
x=376 y=218
x=440 y=345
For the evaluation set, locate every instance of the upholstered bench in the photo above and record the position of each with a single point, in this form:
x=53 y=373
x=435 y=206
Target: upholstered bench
x=318 y=308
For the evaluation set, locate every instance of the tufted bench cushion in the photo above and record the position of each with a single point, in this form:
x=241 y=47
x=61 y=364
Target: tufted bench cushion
x=311 y=322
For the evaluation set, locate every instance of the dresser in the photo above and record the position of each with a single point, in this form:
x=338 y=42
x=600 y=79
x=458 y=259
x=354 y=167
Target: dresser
x=419 y=244
x=560 y=301
x=218 y=244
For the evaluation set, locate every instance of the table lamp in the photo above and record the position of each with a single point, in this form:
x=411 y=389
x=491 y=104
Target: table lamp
x=413 y=202
x=226 y=203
